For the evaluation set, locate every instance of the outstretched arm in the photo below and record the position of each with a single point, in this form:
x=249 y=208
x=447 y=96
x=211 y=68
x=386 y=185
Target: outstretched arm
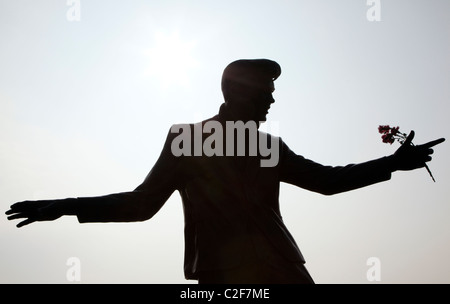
x=329 y=180
x=138 y=205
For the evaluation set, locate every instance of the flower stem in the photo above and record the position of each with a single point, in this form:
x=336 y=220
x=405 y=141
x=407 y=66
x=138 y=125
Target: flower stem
x=428 y=169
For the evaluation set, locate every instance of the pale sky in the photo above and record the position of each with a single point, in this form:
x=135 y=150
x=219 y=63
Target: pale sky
x=85 y=107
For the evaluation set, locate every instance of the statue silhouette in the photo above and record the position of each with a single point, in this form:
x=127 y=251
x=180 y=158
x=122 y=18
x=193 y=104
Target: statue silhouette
x=234 y=232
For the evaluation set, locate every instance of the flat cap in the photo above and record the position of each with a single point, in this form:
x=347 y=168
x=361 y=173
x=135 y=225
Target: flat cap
x=250 y=72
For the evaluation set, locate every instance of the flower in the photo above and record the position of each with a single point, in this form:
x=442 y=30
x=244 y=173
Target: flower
x=390 y=134
x=383 y=129
x=388 y=138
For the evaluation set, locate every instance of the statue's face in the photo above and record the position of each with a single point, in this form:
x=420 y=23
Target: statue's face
x=253 y=103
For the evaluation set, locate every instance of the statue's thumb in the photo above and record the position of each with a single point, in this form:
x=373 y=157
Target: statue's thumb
x=409 y=138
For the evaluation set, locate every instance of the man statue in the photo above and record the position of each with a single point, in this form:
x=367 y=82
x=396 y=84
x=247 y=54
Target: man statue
x=234 y=232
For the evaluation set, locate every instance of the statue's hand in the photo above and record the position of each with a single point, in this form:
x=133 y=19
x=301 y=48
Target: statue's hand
x=32 y=211
x=409 y=157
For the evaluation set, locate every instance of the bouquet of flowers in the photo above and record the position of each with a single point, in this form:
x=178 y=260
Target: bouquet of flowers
x=391 y=134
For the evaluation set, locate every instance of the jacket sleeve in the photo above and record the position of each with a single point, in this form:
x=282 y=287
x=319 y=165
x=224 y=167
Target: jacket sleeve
x=328 y=180
x=140 y=204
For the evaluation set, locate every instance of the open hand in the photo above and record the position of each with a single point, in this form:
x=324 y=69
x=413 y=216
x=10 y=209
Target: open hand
x=32 y=211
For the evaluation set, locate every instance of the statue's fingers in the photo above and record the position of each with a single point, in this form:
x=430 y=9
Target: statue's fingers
x=409 y=138
x=18 y=215
x=433 y=143
x=18 y=207
x=26 y=222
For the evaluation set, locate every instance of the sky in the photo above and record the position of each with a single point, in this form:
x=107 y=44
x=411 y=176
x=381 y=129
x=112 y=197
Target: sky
x=89 y=90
